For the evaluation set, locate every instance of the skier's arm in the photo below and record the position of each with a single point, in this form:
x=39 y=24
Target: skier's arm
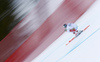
x=65 y=29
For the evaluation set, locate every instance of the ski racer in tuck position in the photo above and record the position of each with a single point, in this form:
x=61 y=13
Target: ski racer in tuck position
x=71 y=27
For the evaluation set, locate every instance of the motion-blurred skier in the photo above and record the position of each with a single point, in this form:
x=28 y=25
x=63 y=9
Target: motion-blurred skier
x=71 y=27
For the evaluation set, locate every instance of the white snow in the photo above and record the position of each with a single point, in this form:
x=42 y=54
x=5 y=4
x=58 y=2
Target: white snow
x=84 y=48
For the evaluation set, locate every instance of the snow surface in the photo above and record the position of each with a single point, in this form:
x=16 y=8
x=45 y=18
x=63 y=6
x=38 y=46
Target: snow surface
x=84 y=48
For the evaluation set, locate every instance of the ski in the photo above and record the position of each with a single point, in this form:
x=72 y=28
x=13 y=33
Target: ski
x=77 y=35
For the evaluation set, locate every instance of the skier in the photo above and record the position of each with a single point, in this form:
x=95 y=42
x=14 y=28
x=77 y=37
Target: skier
x=71 y=27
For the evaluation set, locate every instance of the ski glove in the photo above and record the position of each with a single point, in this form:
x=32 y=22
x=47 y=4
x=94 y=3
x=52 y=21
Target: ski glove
x=65 y=29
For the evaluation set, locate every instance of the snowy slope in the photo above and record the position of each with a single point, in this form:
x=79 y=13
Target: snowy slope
x=84 y=48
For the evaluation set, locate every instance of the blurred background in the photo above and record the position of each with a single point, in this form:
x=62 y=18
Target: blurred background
x=12 y=12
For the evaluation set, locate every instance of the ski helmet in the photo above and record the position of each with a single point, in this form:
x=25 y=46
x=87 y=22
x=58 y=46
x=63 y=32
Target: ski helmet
x=65 y=25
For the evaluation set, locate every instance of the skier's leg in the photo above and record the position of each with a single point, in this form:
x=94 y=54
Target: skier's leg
x=74 y=32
